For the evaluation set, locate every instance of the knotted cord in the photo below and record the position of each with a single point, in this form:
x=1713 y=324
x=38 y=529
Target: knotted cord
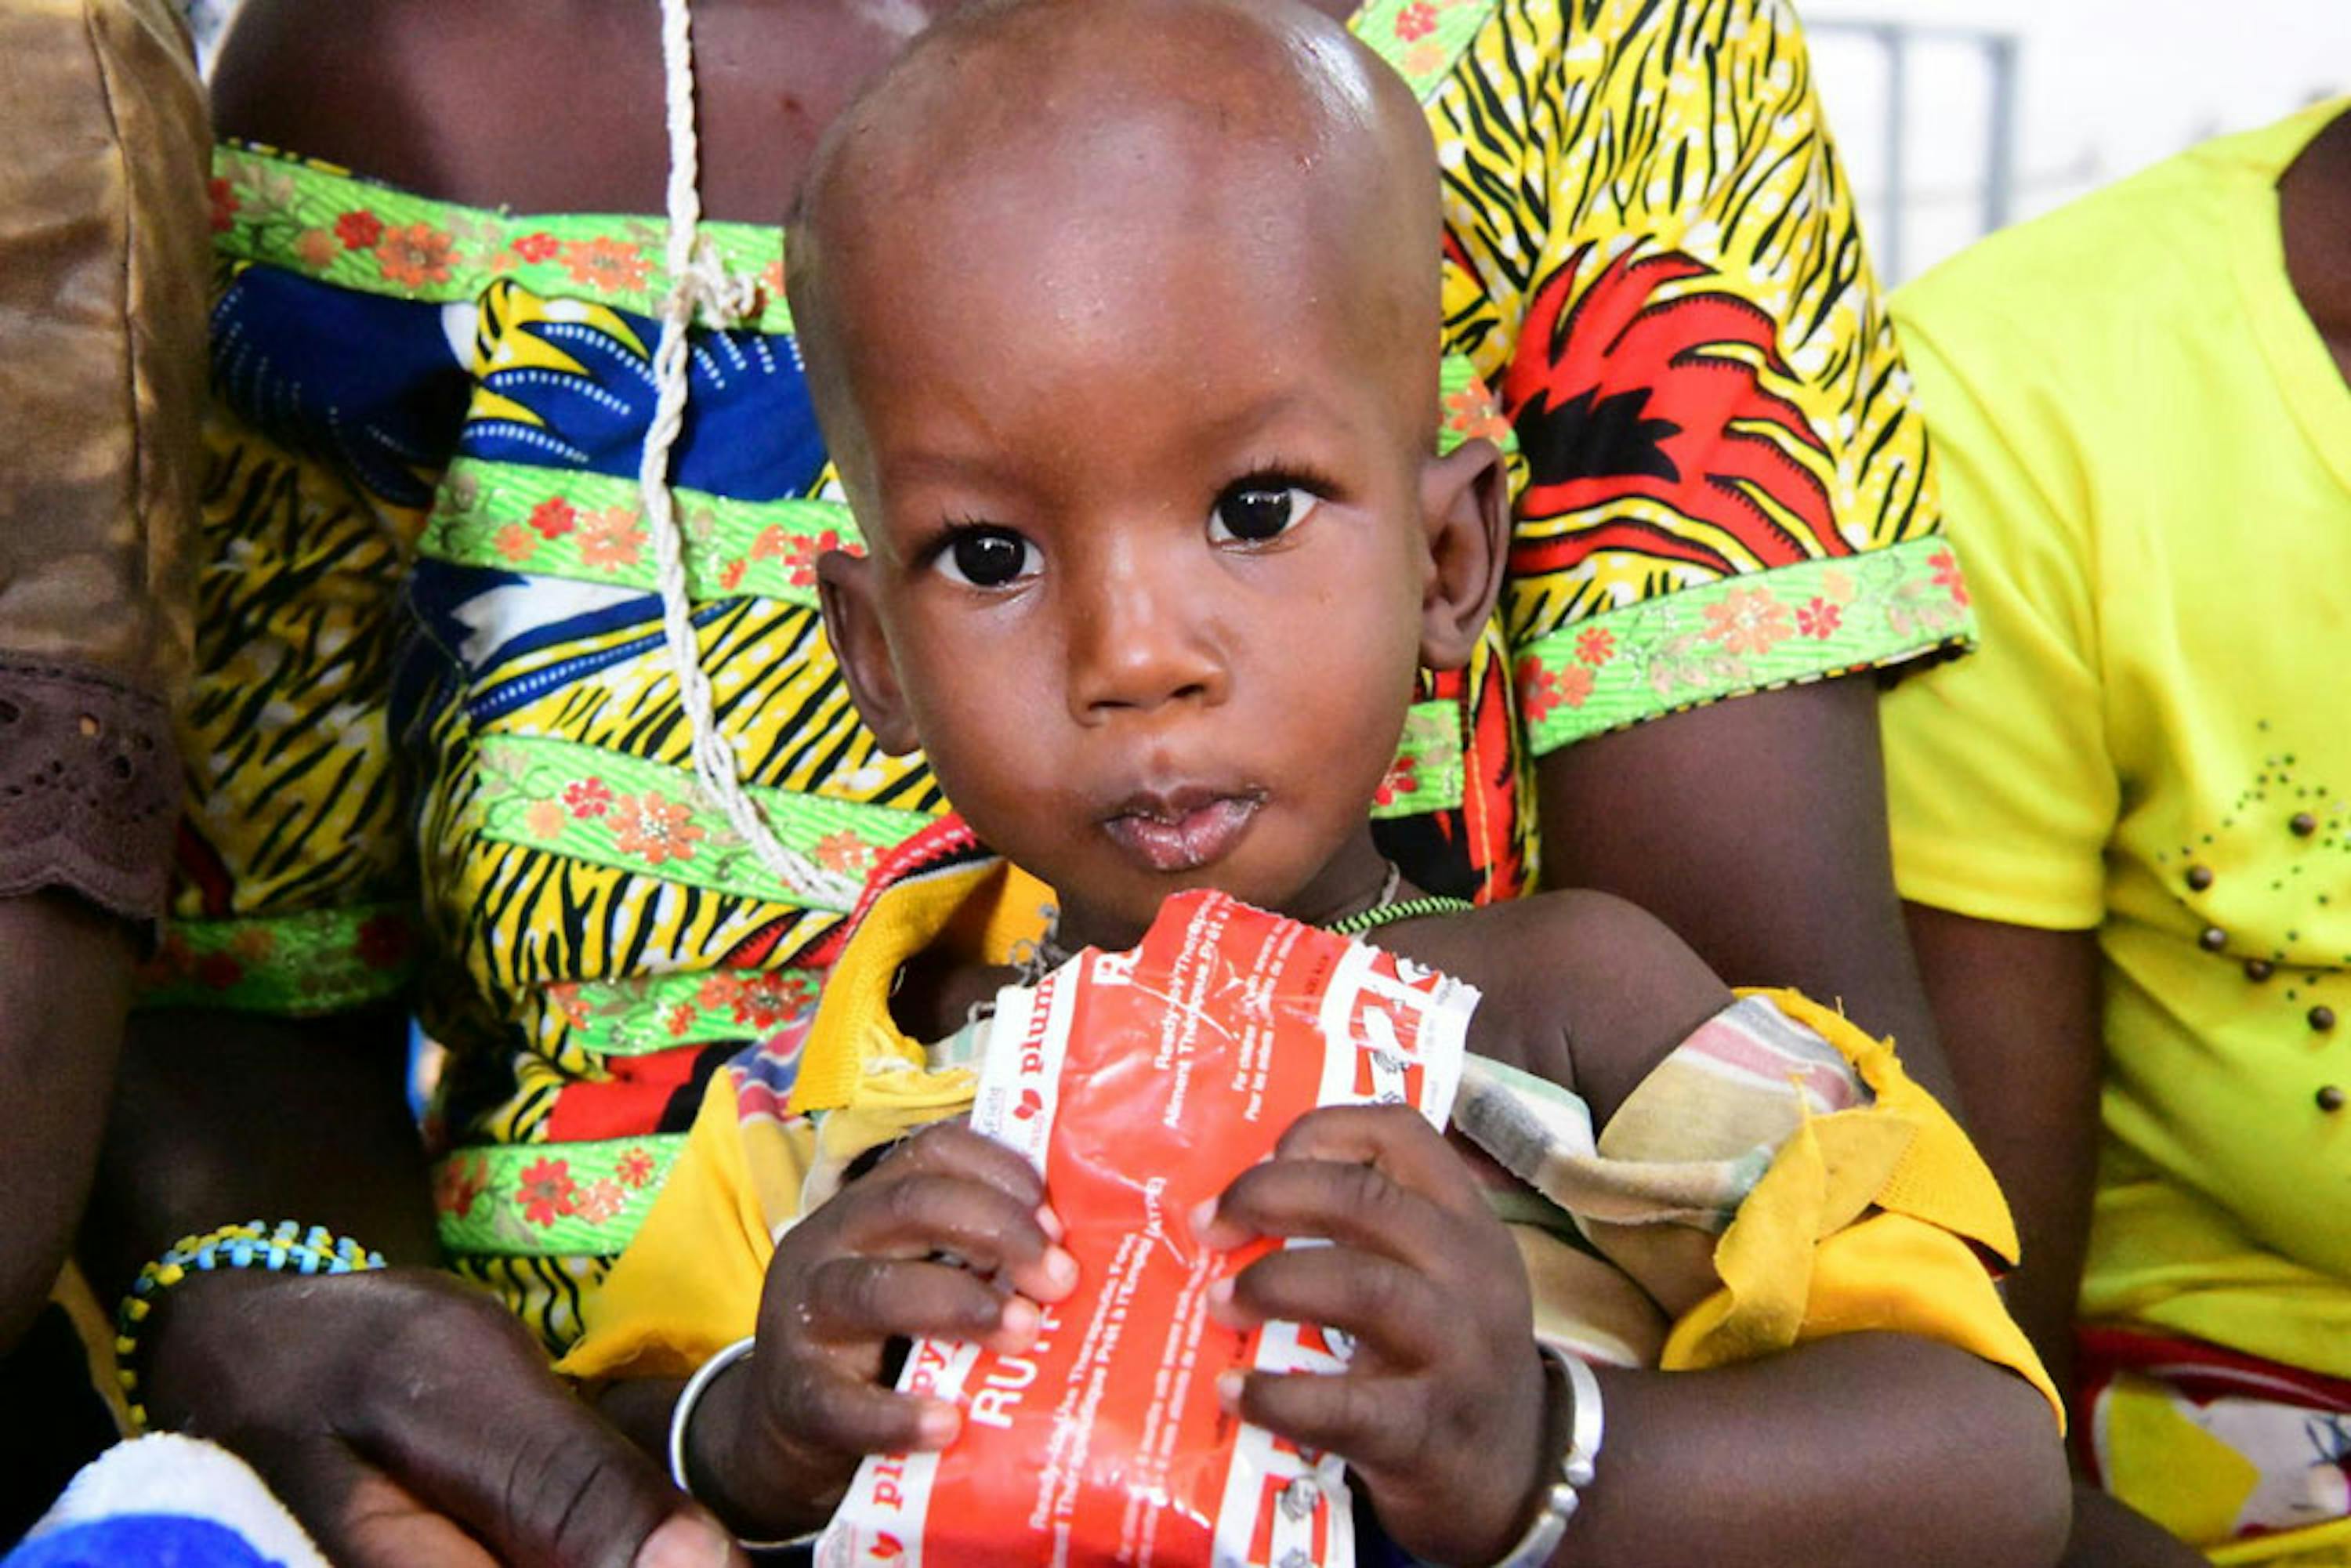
x=699 y=281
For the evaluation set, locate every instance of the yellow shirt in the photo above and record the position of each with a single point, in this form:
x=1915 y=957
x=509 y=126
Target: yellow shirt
x=2146 y=453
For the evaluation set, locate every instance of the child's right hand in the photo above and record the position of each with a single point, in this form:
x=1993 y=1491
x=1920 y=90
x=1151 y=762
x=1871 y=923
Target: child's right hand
x=947 y=1235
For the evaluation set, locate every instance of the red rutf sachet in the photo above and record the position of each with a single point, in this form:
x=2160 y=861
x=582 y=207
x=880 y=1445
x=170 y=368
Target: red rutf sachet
x=1141 y=1083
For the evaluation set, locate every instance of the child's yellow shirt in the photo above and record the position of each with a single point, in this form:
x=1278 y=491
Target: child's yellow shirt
x=1778 y=1178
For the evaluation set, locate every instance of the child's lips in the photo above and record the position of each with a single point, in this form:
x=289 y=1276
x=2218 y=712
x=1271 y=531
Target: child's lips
x=1181 y=832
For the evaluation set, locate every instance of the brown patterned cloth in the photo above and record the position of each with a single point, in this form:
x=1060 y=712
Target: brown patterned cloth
x=103 y=228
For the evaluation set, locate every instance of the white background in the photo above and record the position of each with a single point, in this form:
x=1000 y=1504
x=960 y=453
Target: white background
x=2105 y=86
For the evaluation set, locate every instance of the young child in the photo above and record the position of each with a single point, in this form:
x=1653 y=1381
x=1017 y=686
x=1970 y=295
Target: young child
x=1121 y=337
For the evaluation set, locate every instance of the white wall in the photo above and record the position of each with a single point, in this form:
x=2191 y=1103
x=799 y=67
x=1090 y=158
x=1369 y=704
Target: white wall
x=2105 y=86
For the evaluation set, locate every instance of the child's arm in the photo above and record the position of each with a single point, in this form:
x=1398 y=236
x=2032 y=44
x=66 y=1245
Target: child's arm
x=1580 y=988
x=1862 y=1449
x=1589 y=993
x=898 y=1253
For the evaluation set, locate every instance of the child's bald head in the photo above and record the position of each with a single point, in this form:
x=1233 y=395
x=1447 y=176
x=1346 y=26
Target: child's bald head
x=1122 y=317
x=1058 y=157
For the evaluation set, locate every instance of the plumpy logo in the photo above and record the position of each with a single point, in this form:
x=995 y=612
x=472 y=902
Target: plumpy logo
x=1034 y=1060
x=1020 y=1087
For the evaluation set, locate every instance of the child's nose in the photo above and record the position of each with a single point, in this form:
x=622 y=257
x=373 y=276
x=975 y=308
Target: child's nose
x=1138 y=643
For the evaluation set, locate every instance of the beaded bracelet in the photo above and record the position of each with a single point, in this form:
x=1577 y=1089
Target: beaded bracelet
x=284 y=1247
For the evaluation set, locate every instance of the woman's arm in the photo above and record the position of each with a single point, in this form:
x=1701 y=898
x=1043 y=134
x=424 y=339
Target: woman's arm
x=62 y=997
x=1857 y=1448
x=2020 y=1007
x=1755 y=828
x=1863 y=1450
x=101 y=285
x=225 y=1116
x=404 y=1416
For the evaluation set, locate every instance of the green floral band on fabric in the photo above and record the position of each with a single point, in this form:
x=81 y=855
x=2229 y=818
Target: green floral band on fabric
x=550 y=1199
x=656 y=1012
x=1468 y=408
x=324 y=961
x=1421 y=38
x=325 y=222
x=511 y=517
x=612 y=810
x=1696 y=646
x=1426 y=773
x=590 y=527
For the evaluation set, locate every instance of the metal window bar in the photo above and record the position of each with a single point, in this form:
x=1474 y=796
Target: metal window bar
x=2000 y=53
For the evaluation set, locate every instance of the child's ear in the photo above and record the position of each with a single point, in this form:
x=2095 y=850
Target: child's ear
x=1465 y=505
x=852 y=620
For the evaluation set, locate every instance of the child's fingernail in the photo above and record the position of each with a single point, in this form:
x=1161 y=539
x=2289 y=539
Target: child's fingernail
x=1051 y=1222
x=1061 y=1267
x=1220 y=1291
x=1020 y=1318
x=1229 y=1390
x=937 y=1424
x=1203 y=1215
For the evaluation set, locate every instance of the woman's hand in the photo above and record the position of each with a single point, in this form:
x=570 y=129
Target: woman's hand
x=948 y=1237
x=405 y=1418
x=1441 y=1411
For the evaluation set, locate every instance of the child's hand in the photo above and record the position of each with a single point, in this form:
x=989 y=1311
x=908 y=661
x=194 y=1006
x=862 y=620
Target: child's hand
x=1440 y=1413
x=948 y=1235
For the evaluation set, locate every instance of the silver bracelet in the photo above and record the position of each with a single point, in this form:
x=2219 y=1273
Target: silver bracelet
x=682 y=1414
x=1584 y=1427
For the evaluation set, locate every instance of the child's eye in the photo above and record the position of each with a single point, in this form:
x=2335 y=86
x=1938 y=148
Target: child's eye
x=987 y=557
x=1256 y=510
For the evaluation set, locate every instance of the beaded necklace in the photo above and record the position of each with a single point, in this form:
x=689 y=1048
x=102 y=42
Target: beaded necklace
x=1380 y=915
x=1035 y=960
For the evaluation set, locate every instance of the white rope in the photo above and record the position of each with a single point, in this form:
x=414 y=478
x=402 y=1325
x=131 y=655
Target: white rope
x=697 y=278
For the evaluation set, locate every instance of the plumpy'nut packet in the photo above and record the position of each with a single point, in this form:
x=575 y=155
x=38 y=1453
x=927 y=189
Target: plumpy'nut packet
x=1141 y=1083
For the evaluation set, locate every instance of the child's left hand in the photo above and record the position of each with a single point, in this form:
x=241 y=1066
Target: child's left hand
x=1440 y=1412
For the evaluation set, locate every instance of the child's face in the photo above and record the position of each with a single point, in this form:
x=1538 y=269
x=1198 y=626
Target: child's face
x=1156 y=547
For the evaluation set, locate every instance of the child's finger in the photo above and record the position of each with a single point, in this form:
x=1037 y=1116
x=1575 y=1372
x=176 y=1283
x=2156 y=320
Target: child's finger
x=1396 y=1313
x=859 y=1300
x=1351 y=1204
x=952 y=1148
x=1351 y=1414
x=919 y=1213
x=1397 y=1139
x=850 y=1415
